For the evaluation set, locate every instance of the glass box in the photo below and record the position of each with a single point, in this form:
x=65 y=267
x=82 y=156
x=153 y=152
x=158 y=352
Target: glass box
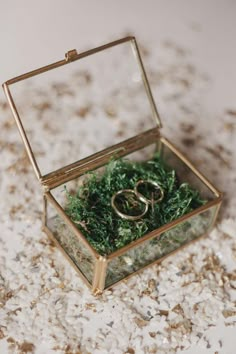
x=128 y=127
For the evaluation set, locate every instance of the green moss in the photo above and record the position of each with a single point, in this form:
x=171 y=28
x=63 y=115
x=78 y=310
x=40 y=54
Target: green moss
x=91 y=209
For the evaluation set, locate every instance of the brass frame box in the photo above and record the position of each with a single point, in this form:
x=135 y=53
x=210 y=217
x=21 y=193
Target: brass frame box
x=102 y=272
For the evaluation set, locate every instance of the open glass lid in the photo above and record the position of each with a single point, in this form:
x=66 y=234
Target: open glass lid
x=74 y=108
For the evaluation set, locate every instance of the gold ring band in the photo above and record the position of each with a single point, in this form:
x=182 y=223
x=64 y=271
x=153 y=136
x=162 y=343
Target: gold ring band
x=123 y=215
x=145 y=199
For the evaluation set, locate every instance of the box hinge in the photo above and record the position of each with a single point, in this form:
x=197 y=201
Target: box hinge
x=71 y=55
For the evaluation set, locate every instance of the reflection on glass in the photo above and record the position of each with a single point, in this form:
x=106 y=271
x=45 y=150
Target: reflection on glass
x=151 y=250
x=70 y=242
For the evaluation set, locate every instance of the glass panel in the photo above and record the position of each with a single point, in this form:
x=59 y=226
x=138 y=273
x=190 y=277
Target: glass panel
x=83 y=107
x=185 y=174
x=151 y=250
x=70 y=242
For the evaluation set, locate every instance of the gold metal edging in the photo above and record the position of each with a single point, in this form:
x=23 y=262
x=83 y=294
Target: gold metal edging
x=96 y=275
x=22 y=131
x=70 y=223
x=99 y=275
x=146 y=82
x=216 y=214
x=44 y=216
x=54 y=240
x=103 y=269
x=66 y=61
x=191 y=166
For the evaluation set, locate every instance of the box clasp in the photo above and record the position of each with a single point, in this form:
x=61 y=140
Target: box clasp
x=71 y=55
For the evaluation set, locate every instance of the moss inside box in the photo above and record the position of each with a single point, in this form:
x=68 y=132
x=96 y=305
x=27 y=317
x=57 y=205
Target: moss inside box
x=90 y=208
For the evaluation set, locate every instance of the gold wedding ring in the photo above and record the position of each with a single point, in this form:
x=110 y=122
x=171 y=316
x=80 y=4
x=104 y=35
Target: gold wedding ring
x=140 y=197
x=145 y=199
x=123 y=215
